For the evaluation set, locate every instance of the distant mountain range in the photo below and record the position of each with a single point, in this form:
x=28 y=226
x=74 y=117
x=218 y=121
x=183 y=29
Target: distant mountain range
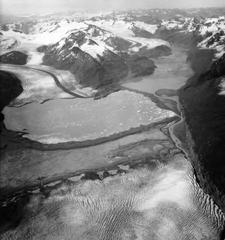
x=103 y=49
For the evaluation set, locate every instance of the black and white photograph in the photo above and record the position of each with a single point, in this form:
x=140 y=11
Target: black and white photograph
x=112 y=122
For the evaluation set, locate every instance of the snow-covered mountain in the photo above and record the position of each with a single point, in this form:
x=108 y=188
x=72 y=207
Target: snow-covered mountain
x=213 y=32
x=96 y=52
x=98 y=56
x=210 y=31
x=109 y=47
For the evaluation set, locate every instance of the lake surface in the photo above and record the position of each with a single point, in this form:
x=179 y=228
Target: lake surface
x=157 y=203
x=171 y=73
x=63 y=120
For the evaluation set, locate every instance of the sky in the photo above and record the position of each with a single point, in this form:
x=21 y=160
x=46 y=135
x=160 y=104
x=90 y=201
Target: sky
x=45 y=6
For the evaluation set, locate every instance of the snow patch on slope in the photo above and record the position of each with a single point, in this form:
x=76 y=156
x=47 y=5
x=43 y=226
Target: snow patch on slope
x=222 y=87
x=124 y=30
x=120 y=28
x=64 y=29
x=147 y=27
x=35 y=58
x=211 y=25
x=93 y=49
x=214 y=30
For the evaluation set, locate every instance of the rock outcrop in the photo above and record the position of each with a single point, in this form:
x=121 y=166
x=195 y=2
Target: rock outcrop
x=14 y=57
x=92 y=64
x=204 y=108
x=10 y=88
x=141 y=66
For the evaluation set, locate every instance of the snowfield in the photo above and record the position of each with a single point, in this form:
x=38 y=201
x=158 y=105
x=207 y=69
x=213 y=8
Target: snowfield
x=101 y=33
x=51 y=32
x=123 y=29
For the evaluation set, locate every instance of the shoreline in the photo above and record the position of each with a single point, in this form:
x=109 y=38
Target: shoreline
x=161 y=102
x=45 y=185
